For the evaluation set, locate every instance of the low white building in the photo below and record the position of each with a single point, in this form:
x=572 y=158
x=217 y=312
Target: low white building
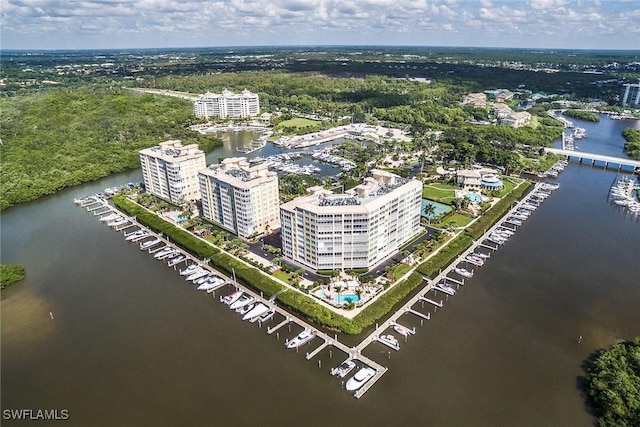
x=357 y=229
x=479 y=178
x=227 y=104
x=170 y=170
x=516 y=120
x=240 y=198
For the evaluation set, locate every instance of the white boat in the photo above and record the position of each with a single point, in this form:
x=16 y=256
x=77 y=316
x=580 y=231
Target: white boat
x=268 y=315
x=463 y=272
x=447 y=289
x=481 y=255
x=302 y=338
x=245 y=309
x=203 y=279
x=474 y=260
x=343 y=369
x=197 y=275
x=361 y=377
x=257 y=311
x=150 y=243
x=210 y=283
x=109 y=217
x=189 y=270
x=232 y=297
x=403 y=330
x=163 y=252
x=241 y=302
x=176 y=260
x=389 y=340
x=117 y=220
x=137 y=234
x=174 y=253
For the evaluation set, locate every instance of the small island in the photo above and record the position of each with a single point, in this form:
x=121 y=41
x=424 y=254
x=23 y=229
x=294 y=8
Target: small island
x=582 y=115
x=613 y=385
x=10 y=273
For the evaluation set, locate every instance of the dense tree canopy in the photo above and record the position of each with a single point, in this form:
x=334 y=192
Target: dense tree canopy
x=613 y=384
x=63 y=138
x=632 y=146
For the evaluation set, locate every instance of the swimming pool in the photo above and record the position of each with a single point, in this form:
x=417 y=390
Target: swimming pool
x=477 y=197
x=439 y=209
x=342 y=298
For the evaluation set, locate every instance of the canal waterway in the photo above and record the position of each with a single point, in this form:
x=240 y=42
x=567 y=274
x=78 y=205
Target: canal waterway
x=130 y=343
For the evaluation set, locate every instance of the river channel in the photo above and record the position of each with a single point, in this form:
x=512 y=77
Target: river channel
x=130 y=343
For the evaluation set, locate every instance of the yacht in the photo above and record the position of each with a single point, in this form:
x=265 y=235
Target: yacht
x=257 y=311
x=245 y=309
x=343 y=369
x=268 y=315
x=176 y=260
x=109 y=217
x=463 y=272
x=474 y=260
x=150 y=243
x=389 y=340
x=302 y=338
x=232 y=297
x=361 y=377
x=210 y=283
x=481 y=255
x=162 y=252
x=241 y=302
x=189 y=270
x=136 y=235
x=203 y=279
x=447 y=289
x=198 y=274
x=403 y=330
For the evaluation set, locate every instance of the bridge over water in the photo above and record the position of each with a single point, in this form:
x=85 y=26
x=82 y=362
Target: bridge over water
x=598 y=159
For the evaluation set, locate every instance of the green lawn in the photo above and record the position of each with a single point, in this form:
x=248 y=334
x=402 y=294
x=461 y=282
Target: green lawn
x=440 y=192
x=400 y=271
x=459 y=219
x=297 y=122
x=282 y=275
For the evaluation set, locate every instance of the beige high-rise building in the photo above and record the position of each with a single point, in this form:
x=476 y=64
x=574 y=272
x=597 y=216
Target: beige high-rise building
x=241 y=198
x=170 y=170
x=227 y=104
x=358 y=229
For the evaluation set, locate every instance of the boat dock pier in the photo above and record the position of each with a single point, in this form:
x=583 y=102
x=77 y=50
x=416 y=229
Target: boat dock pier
x=100 y=207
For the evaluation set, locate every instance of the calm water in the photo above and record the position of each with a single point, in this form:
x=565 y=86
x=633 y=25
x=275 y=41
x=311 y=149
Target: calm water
x=132 y=344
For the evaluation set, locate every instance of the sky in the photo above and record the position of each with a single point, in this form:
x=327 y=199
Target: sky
x=121 y=24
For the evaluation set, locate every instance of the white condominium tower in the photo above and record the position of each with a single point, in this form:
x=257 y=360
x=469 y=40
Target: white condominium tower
x=631 y=95
x=227 y=104
x=358 y=229
x=170 y=170
x=242 y=199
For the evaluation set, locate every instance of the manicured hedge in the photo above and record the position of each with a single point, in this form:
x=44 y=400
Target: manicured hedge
x=178 y=235
x=251 y=276
x=445 y=256
x=321 y=315
x=386 y=302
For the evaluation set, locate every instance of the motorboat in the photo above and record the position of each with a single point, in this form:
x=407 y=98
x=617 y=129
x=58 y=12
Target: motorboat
x=258 y=310
x=210 y=283
x=117 y=220
x=481 y=255
x=162 y=252
x=189 y=270
x=241 y=302
x=109 y=217
x=176 y=260
x=150 y=243
x=268 y=315
x=403 y=330
x=447 y=289
x=171 y=255
x=474 y=260
x=344 y=368
x=390 y=341
x=232 y=297
x=361 y=377
x=463 y=272
x=203 y=279
x=245 y=309
x=198 y=274
x=137 y=235
x=302 y=338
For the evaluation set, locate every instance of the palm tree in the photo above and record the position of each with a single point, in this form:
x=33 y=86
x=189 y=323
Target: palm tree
x=429 y=210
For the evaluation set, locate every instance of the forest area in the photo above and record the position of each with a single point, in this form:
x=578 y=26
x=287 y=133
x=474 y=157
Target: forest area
x=62 y=138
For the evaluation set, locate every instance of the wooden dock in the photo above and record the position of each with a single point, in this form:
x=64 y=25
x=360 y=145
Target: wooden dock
x=321 y=347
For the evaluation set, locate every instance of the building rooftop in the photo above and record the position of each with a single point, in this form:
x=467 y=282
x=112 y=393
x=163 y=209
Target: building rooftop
x=173 y=151
x=237 y=172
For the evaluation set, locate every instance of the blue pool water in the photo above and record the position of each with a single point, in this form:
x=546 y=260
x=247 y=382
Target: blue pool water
x=440 y=209
x=477 y=198
x=345 y=298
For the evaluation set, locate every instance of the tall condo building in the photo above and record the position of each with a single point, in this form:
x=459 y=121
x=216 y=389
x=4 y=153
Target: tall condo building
x=227 y=104
x=358 y=229
x=170 y=170
x=631 y=95
x=241 y=198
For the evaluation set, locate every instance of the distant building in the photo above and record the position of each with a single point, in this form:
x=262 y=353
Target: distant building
x=170 y=170
x=358 y=229
x=499 y=95
x=227 y=104
x=242 y=199
x=501 y=110
x=516 y=120
x=476 y=99
x=631 y=95
x=479 y=178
